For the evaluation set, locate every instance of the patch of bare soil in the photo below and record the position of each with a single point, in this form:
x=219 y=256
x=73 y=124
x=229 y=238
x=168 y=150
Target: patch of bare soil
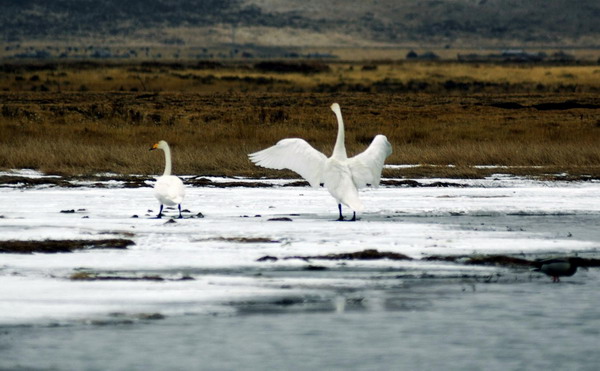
x=204 y=182
x=413 y=183
x=369 y=254
x=128 y=181
x=24 y=182
x=498 y=260
x=95 y=276
x=61 y=246
x=505 y=261
x=489 y=260
x=243 y=239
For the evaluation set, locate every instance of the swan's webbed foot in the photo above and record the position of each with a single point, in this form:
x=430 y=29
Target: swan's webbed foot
x=179 y=207
x=353 y=216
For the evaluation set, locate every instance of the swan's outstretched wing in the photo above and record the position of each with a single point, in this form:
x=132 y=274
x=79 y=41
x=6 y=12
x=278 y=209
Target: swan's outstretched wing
x=294 y=154
x=366 y=167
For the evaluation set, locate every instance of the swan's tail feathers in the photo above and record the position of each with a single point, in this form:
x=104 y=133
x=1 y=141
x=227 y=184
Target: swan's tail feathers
x=344 y=191
x=351 y=200
x=293 y=154
x=355 y=204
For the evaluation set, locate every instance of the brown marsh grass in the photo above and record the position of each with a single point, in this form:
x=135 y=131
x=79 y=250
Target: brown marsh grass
x=524 y=116
x=383 y=76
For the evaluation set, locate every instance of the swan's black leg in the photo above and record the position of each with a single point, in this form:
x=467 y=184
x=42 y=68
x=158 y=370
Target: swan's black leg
x=341 y=216
x=160 y=212
x=179 y=207
x=353 y=216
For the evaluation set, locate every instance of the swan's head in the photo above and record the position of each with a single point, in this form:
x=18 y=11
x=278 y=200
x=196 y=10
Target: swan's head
x=160 y=145
x=336 y=108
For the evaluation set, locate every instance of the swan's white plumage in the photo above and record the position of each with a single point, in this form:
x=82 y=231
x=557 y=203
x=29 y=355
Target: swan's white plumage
x=294 y=154
x=169 y=189
x=366 y=167
x=342 y=176
x=337 y=178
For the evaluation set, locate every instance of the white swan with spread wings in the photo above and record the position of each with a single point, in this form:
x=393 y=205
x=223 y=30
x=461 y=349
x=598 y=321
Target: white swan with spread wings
x=342 y=176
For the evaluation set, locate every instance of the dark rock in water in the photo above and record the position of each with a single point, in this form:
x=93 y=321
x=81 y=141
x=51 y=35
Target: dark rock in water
x=61 y=246
x=151 y=316
x=67 y=211
x=315 y=268
x=199 y=215
x=284 y=219
x=135 y=216
x=267 y=258
x=289 y=301
x=170 y=221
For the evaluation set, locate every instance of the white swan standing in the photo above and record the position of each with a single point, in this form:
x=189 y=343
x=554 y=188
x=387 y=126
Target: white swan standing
x=169 y=189
x=342 y=176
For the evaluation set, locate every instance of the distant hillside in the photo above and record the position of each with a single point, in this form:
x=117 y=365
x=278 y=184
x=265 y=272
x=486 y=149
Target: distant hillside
x=435 y=23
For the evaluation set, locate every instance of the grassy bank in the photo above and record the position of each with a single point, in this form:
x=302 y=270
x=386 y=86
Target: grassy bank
x=539 y=118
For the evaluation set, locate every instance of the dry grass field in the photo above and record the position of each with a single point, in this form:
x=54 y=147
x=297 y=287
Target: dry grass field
x=86 y=118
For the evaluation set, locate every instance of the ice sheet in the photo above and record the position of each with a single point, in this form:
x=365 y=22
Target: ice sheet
x=499 y=214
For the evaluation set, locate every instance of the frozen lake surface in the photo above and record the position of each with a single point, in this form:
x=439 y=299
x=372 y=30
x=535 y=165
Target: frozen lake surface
x=218 y=308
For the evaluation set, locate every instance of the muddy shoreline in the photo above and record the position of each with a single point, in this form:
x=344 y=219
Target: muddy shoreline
x=142 y=181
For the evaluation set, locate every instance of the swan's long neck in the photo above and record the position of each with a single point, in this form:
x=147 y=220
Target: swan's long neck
x=339 y=151
x=167 y=160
